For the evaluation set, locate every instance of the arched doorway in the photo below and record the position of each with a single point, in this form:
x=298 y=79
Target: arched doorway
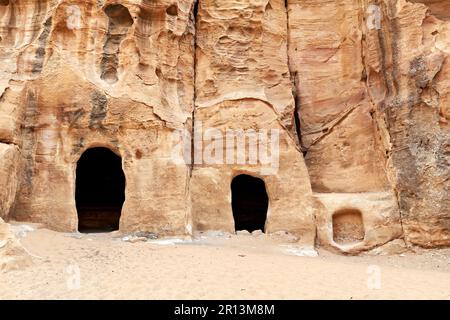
x=249 y=202
x=100 y=190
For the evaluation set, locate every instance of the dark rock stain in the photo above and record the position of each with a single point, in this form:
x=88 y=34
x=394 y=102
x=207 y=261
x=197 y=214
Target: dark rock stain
x=78 y=146
x=99 y=103
x=40 y=51
x=29 y=140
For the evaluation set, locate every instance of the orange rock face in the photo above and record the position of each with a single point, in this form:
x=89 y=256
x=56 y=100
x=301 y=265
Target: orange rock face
x=350 y=97
x=407 y=73
x=80 y=75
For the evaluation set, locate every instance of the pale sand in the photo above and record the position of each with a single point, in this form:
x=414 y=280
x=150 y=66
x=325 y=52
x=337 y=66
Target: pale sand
x=243 y=267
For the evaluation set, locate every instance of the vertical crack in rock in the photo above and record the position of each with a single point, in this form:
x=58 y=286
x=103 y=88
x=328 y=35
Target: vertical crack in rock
x=120 y=21
x=377 y=115
x=294 y=79
x=393 y=88
x=194 y=18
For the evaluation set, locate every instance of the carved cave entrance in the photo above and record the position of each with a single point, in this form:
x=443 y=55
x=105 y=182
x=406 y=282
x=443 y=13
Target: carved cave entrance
x=249 y=203
x=100 y=190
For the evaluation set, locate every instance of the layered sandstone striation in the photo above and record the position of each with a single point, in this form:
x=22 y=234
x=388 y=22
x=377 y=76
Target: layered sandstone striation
x=243 y=83
x=82 y=74
x=339 y=135
x=357 y=92
x=406 y=62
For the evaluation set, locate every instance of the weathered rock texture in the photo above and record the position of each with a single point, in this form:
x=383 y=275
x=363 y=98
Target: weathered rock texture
x=406 y=63
x=358 y=91
x=9 y=159
x=81 y=74
x=344 y=152
x=242 y=74
x=371 y=84
x=12 y=255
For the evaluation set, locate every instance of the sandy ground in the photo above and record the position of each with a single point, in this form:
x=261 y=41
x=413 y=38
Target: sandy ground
x=103 y=266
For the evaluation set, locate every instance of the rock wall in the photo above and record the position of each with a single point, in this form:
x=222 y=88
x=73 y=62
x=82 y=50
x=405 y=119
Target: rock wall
x=357 y=92
x=407 y=70
x=339 y=135
x=82 y=74
x=243 y=83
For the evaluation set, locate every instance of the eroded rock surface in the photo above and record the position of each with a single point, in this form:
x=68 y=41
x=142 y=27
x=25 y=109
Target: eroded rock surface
x=83 y=74
x=357 y=91
x=243 y=83
x=12 y=255
x=9 y=159
x=407 y=70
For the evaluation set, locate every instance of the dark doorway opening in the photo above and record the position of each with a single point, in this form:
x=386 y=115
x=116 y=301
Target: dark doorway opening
x=100 y=190
x=249 y=202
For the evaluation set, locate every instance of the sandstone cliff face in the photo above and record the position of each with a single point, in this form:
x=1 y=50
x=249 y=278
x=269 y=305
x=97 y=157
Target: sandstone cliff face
x=344 y=152
x=407 y=71
x=372 y=96
x=80 y=74
x=242 y=83
x=357 y=90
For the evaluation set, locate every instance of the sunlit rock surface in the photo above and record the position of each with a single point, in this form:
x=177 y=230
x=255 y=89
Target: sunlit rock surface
x=357 y=91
